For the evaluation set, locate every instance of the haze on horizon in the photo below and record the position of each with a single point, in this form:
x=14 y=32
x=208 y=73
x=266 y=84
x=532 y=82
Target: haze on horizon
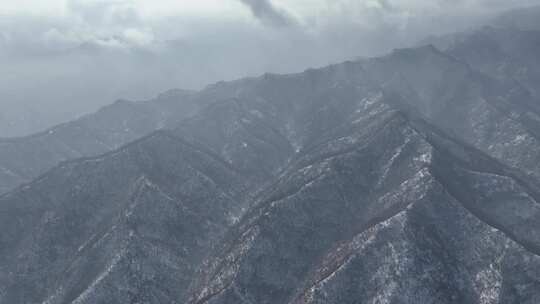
x=65 y=58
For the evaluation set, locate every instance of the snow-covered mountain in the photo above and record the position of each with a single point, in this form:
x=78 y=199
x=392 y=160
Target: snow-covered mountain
x=408 y=178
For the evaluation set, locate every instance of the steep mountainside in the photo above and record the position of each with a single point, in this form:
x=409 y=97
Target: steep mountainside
x=134 y=224
x=355 y=221
x=409 y=178
x=23 y=159
x=503 y=53
x=496 y=116
x=128 y=226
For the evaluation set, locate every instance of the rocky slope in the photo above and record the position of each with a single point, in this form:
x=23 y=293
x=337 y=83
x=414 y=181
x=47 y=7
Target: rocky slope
x=25 y=158
x=392 y=211
x=101 y=229
x=127 y=225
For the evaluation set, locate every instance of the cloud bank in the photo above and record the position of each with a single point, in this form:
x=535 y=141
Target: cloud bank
x=62 y=58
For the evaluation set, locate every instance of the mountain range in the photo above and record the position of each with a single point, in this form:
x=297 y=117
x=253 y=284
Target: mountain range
x=408 y=178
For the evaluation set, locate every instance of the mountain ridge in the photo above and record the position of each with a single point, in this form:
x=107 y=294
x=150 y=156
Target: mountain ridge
x=409 y=178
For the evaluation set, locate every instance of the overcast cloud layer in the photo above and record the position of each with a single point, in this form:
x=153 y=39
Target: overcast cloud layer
x=63 y=58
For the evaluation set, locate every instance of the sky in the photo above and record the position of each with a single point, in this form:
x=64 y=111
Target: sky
x=65 y=58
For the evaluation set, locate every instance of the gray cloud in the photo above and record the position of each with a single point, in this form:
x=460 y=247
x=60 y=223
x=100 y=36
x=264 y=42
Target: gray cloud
x=57 y=67
x=267 y=13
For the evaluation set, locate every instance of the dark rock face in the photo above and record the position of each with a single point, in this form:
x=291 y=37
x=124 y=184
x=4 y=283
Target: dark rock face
x=410 y=178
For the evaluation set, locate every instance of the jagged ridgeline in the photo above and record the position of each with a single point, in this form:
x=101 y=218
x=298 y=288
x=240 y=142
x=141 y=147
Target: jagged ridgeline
x=408 y=178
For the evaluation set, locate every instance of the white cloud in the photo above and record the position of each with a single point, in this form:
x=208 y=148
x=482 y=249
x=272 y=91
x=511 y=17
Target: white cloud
x=32 y=7
x=139 y=37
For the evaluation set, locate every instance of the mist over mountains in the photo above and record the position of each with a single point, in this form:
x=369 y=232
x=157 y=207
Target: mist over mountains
x=62 y=59
x=410 y=177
